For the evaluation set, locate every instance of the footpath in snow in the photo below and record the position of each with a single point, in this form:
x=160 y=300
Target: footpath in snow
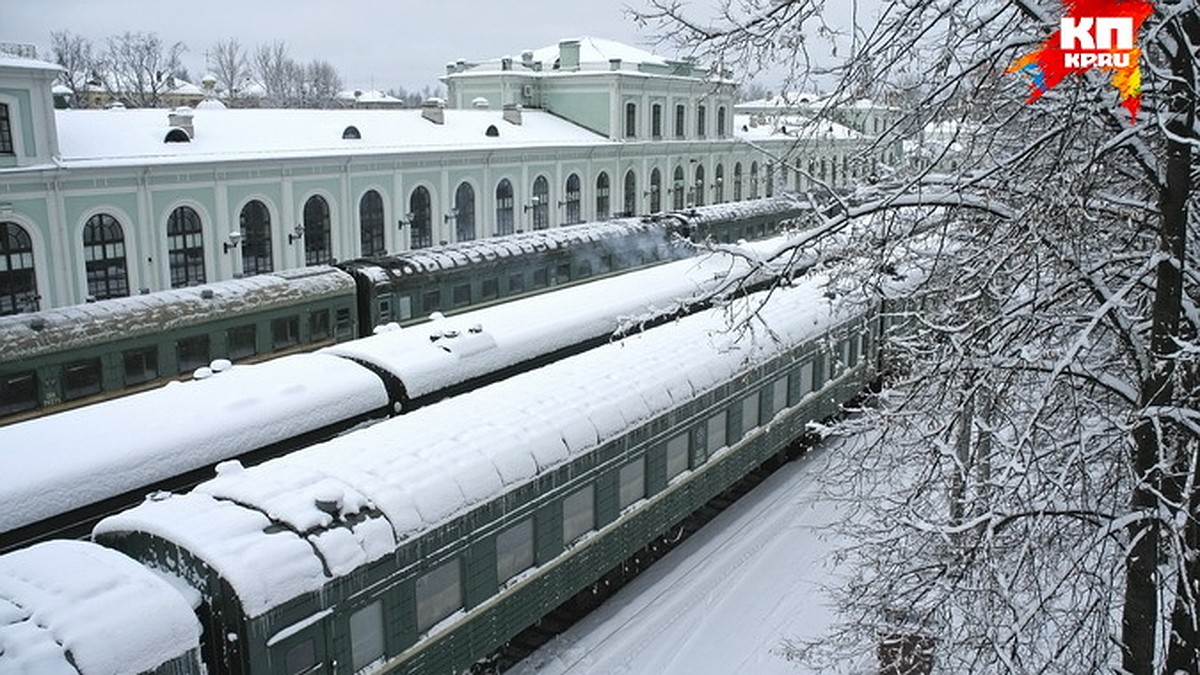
x=727 y=600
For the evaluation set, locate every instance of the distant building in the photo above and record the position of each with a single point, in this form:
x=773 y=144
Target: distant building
x=104 y=203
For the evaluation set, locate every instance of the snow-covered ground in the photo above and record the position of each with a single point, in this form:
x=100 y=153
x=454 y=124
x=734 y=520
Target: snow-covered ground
x=729 y=599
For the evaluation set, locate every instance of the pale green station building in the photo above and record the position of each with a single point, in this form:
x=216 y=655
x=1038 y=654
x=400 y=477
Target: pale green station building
x=107 y=203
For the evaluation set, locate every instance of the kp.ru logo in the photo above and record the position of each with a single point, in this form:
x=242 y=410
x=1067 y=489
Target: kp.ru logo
x=1092 y=34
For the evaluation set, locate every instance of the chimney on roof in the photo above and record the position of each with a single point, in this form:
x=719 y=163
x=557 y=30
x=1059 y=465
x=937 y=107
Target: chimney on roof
x=568 y=55
x=506 y=63
x=527 y=57
x=434 y=110
x=512 y=113
x=181 y=118
x=614 y=64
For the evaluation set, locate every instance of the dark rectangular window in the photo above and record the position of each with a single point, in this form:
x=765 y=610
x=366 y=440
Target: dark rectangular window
x=243 y=342
x=462 y=295
x=562 y=274
x=81 y=378
x=18 y=392
x=285 y=332
x=318 y=326
x=344 y=324
x=585 y=269
x=193 y=352
x=541 y=278
x=6 y=139
x=490 y=289
x=432 y=301
x=141 y=365
x=516 y=284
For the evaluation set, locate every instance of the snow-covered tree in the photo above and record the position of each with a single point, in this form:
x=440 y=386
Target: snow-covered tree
x=76 y=55
x=1040 y=427
x=229 y=63
x=138 y=69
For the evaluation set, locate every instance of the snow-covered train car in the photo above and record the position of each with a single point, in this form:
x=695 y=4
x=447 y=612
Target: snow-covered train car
x=75 y=608
x=421 y=543
x=72 y=356
x=66 y=470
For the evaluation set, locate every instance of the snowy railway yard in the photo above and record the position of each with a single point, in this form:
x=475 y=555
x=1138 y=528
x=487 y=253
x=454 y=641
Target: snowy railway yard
x=420 y=543
x=171 y=437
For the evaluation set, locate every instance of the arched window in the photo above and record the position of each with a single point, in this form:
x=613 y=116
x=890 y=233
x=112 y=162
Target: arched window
x=719 y=184
x=18 y=281
x=317 y=232
x=464 y=212
x=630 y=120
x=504 y=207
x=656 y=121
x=603 y=204
x=104 y=256
x=420 y=206
x=630 y=193
x=574 y=211
x=255 y=223
x=721 y=122
x=770 y=180
x=370 y=223
x=541 y=203
x=698 y=187
x=737 y=182
x=754 y=180
x=185 y=247
x=680 y=120
x=678 y=189
x=655 y=190
x=701 y=121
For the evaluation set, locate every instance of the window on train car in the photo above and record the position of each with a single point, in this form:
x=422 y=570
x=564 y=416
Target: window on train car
x=300 y=658
x=632 y=483
x=431 y=301
x=318 y=326
x=779 y=395
x=81 y=378
x=439 y=594
x=579 y=513
x=242 y=342
x=750 y=408
x=808 y=382
x=562 y=274
x=514 y=550
x=192 y=352
x=285 y=332
x=366 y=635
x=489 y=289
x=461 y=295
x=343 y=324
x=718 y=426
x=516 y=283
x=141 y=365
x=541 y=278
x=18 y=392
x=677 y=456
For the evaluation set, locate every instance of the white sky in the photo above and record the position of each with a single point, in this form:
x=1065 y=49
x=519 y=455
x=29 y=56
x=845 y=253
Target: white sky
x=378 y=44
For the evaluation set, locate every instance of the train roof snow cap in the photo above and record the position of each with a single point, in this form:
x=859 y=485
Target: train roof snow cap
x=71 y=605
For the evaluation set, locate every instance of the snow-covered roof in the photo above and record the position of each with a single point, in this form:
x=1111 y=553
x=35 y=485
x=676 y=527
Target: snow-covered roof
x=74 y=607
x=368 y=96
x=78 y=326
x=432 y=356
x=347 y=501
x=598 y=51
x=90 y=138
x=19 y=62
x=754 y=127
x=81 y=456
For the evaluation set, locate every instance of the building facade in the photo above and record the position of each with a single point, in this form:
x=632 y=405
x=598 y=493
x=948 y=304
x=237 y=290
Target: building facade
x=106 y=203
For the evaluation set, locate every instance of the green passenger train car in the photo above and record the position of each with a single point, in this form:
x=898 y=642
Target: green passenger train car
x=423 y=544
